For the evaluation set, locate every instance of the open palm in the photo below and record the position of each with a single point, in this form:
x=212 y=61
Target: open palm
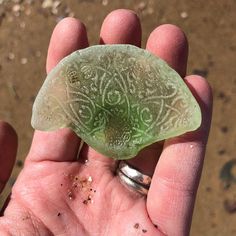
x=60 y=194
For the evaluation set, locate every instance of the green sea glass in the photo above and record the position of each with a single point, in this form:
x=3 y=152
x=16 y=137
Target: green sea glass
x=117 y=98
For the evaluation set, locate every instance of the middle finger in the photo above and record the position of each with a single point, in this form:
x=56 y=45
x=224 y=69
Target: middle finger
x=119 y=27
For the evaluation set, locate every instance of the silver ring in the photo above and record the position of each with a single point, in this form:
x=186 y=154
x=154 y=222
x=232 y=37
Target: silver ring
x=135 y=186
x=133 y=178
x=134 y=174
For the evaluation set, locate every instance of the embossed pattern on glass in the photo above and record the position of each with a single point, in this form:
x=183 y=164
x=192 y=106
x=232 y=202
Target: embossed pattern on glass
x=117 y=98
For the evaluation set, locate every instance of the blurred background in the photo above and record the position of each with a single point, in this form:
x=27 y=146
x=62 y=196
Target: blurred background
x=25 y=29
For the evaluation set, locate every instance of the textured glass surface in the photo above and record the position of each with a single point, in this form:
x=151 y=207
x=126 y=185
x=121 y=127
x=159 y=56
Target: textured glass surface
x=117 y=98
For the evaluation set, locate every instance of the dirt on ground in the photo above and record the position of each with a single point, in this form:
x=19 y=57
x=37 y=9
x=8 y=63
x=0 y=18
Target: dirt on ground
x=25 y=29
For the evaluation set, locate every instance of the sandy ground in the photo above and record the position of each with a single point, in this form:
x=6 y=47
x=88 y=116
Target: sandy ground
x=25 y=28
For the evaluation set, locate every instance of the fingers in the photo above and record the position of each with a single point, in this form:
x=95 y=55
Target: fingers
x=172 y=194
x=69 y=35
x=169 y=43
x=8 y=149
x=119 y=27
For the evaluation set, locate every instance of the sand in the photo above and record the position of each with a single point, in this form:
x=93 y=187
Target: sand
x=25 y=28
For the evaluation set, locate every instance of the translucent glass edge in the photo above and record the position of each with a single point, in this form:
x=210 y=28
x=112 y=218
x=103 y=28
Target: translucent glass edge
x=170 y=135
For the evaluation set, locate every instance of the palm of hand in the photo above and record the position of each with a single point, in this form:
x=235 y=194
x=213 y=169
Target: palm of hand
x=77 y=199
x=56 y=194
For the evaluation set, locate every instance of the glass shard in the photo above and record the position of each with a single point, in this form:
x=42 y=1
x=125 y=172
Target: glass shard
x=117 y=98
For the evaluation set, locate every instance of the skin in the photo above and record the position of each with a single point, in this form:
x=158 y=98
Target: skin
x=43 y=201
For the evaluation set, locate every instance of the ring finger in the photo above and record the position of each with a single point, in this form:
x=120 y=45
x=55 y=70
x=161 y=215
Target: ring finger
x=169 y=43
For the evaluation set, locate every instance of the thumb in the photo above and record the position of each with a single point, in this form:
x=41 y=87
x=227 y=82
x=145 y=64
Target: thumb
x=8 y=149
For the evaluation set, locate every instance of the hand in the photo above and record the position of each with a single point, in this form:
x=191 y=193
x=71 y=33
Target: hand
x=56 y=194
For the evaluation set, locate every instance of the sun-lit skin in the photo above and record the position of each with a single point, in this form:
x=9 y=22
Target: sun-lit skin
x=41 y=202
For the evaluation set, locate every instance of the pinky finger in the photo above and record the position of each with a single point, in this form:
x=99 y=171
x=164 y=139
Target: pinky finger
x=175 y=181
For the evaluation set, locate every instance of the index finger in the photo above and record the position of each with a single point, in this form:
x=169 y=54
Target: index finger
x=62 y=145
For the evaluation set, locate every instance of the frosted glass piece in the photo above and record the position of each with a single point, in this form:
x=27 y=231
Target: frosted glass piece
x=117 y=98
